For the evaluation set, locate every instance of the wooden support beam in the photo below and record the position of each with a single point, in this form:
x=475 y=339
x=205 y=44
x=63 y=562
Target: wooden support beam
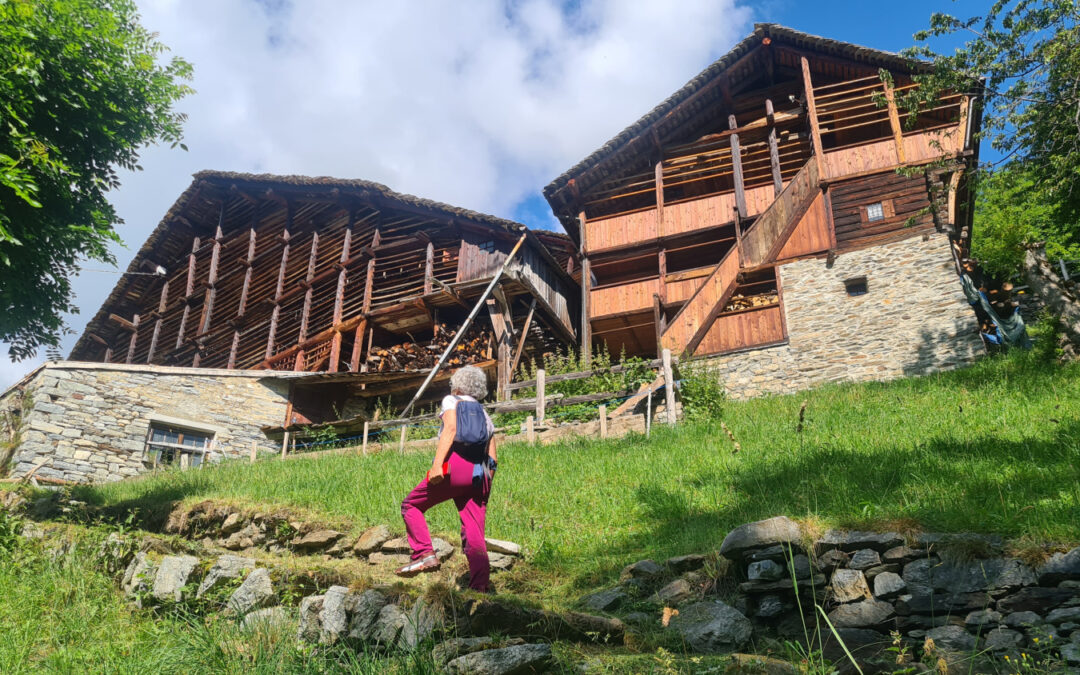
x=339 y=300
x=358 y=346
x=313 y=259
x=669 y=387
x=659 y=173
x=774 y=149
x=521 y=340
x=894 y=122
x=811 y=112
x=242 y=308
x=662 y=264
x=541 y=397
x=586 y=288
x=500 y=322
x=211 y=279
x=369 y=280
x=429 y=268
x=188 y=290
x=658 y=313
x=131 y=341
x=124 y=323
x=163 y=301
x=280 y=288
x=736 y=163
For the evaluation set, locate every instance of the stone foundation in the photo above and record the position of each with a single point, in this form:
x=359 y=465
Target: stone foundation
x=912 y=320
x=89 y=421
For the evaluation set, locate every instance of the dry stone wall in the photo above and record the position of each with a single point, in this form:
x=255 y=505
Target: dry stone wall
x=89 y=421
x=912 y=320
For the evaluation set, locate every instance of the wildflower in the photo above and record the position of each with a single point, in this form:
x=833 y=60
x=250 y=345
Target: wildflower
x=1035 y=640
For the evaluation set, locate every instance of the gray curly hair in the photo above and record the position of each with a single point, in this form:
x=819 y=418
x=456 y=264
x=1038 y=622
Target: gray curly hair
x=470 y=381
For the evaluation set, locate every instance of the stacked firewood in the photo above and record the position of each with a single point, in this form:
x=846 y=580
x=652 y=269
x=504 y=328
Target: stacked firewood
x=475 y=346
x=740 y=301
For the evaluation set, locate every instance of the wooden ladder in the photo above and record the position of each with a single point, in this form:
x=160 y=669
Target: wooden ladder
x=760 y=245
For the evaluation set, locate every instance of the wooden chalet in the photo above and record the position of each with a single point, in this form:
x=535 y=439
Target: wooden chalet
x=785 y=148
x=290 y=273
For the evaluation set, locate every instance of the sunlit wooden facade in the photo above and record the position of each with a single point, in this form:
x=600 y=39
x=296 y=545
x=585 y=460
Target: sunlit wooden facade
x=787 y=147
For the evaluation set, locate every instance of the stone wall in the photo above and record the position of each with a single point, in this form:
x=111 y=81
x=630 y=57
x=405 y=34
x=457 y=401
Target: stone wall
x=913 y=320
x=91 y=420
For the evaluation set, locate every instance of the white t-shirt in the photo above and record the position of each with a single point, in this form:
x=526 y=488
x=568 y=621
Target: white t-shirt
x=450 y=402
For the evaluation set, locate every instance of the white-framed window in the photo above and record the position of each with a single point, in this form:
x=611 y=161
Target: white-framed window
x=168 y=444
x=875 y=212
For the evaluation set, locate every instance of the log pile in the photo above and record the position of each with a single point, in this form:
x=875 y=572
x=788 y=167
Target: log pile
x=740 y=301
x=475 y=346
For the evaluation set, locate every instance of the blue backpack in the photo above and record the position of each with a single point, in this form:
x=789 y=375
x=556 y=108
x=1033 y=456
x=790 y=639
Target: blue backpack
x=471 y=438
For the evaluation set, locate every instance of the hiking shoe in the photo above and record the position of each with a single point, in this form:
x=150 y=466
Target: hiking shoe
x=428 y=563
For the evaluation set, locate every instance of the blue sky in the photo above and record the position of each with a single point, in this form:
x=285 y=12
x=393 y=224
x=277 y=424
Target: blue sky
x=478 y=104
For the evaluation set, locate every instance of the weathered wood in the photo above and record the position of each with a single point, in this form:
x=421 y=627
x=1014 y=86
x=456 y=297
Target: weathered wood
x=658 y=171
x=363 y=447
x=285 y=445
x=162 y=303
x=280 y=288
x=500 y=321
x=658 y=313
x=774 y=149
x=305 y=312
x=669 y=388
x=530 y=430
x=540 y=400
x=894 y=122
x=586 y=288
x=131 y=341
x=429 y=267
x=401 y=439
x=603 y=420
x=521 y=340
x=339 y=299
x=211 y=279
x=736 y=163
x=811 y=110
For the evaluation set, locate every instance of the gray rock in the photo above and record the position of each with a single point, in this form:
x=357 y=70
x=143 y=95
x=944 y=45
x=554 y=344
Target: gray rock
x=982 y=617
x=269 y=619
x=1064 y=614
x=783 y=585
x=776 y=553
x=764 y=570
x=642 y=569
x=421 y=623
x=257 y=591
x=233 y=523
x=849 y=586
x=676 y=592
x=332 y=617
x=864 y=559
x=1035 y=599
x=853 y=541
x=872 y=572
x=968 y=541
x=902 y=554
x=392 y=559
x=801 y=564
x=685 y=563
x=769 y=607
x=139 y=575
x=317 y=540
x=888 y=585
x=443 y=549
x=364 y=608
x=863 y=614
x=1070 y=653
x=172 y=575
x=967 y=577
x=640 y=619
x=1003 y=639
x=226 y=567
x=952 y=639
x=506 y=661
x=309 y=627
x=500 y=562
x=931 y=603
x=712 y=627
x=451 y=649
x=388 y=626
x=372 y=540
x=504 y=547
x=604 y=601
x=830 y=560
x=760 y=534
x=396 y=545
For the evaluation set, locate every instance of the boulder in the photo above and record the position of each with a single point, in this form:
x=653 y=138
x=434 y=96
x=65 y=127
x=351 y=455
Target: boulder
x=501 y=562
x=864 y=644
x=504 y=547
x=363 y=610
x=864 y=559
x=316 y=541
x=534 y=658
x=930 y=603
x=1035 y=599
x=685 y=563
x=449 y=650
x=139 y=575
x=872 y=572
x=853 y=541
x=952 y=639
x=1003 y=639
x=712 y=627
x=1023 y=619
x=372 y=540
x=676 y=592
x=224 y=568
x=275 y=619
x=605 y=601
x=256 y=591
x=888 y=585
x=1063 y=615
x=830 y=560
x=309 y=627
x=392 y=559
x=396 y=545
x=388 y=626
x=760 y=534
x=801 y=565
x=993 y=574
x=849 y=586
x=642 y=569
x=862 y=614
x=172 y=576
x=902 y=554
x=783 y=585
x=1070 y=654
x=443 y=549
x=333 y=620
x=769 y=607
x=233 y=523
x=764 y=570
x=982 y=617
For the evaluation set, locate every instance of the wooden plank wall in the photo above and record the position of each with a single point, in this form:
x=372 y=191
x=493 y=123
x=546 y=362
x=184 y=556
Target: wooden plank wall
x=906 y=197
x=743 y=329
x=477 y=261
x=811 y=235
x=630 y=297
x=862 y=158
x=548 y=285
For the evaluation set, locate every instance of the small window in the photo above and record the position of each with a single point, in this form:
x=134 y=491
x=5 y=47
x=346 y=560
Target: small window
x=167 y=445
x=875 y=212
x=488 y=246
x=855 y=286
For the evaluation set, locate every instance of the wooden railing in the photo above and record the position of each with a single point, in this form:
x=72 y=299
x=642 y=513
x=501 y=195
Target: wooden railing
x=698 y=308
x=766 y=231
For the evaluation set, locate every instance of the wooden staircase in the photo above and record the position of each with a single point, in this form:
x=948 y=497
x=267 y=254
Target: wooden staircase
x=758 y=246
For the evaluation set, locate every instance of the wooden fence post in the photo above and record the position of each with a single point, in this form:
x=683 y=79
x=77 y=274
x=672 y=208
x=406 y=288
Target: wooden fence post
x=530 y=430
x=603 y=421
x=254 y=450
x=669 y=387
x=401 y=442
x=285 y=445
x=648 y=412
x=540 y=398
x=363 y=447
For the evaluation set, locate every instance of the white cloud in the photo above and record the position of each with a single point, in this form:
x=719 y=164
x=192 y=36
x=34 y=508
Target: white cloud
x=476 y=103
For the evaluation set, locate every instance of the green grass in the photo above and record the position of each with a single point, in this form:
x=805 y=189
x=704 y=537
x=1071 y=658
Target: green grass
x=994 y=448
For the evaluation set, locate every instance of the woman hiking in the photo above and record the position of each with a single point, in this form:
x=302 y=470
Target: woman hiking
x=462 y=470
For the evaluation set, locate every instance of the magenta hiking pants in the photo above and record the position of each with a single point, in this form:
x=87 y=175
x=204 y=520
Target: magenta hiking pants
x=471 y=502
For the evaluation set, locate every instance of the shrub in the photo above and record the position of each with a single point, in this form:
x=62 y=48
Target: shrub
x=703 y=395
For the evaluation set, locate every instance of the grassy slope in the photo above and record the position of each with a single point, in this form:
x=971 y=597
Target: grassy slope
x=992 y=448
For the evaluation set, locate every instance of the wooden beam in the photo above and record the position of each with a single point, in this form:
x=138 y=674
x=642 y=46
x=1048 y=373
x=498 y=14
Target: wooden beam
x=662 y=263
x=131 y=341
x=521 y=340
x=162 y=303
x=313 y=259
x=242 y=308
x=586 y=287
x=657 y=317
x=358 y=346
x=774 y=149
x=659 y=173
x=499 y=314
x=736 y=164
x=429 y=268
x=811 y=112
x=369 y=279
x=279 y=289
x=211 y=279
x=894 y=122
x=124 y=323
x=188 y=290
x=339 y=300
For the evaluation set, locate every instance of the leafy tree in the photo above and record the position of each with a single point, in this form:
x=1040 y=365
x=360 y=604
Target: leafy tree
x=1023 y=57
x=83 y=87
